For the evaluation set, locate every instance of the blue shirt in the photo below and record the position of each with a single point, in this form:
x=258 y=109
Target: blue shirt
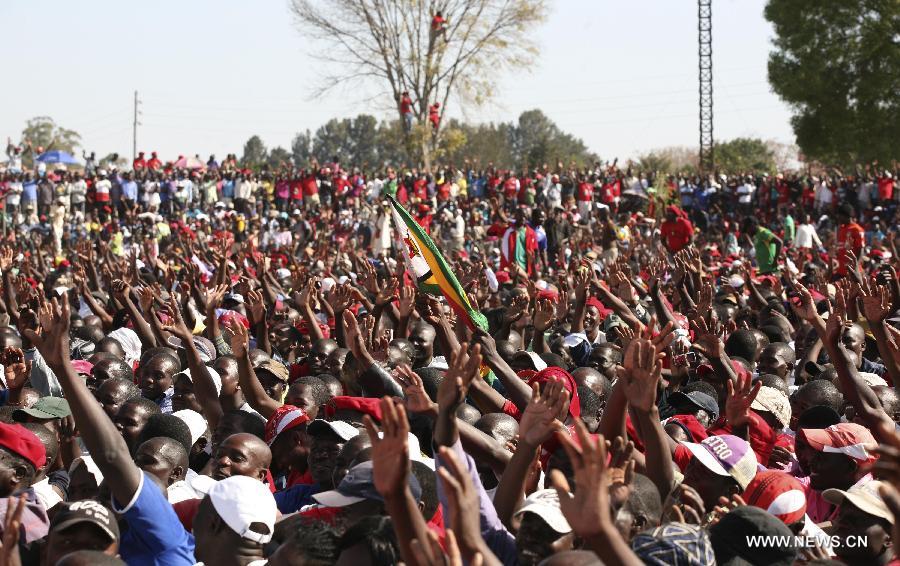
x=293 y=498
x=152 y=534
x=129 y=190
x=29 y=190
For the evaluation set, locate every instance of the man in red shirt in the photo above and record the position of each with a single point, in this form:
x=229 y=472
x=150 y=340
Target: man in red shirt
x=885 y=188
x=434 y=115
x=850 y=237
x=439 y=26
x=154 y=163
x=676 y=231
x=406 y=110
x=139 y=162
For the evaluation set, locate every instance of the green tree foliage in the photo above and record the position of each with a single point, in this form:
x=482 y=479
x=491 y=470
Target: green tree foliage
x=744 y=154
x=255 y=153
x=837 y=63
x=43 y=133
x=278 y=156
x=301 y=147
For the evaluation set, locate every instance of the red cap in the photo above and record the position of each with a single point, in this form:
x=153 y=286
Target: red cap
x=366 y=405
x=21 y=441
x=502 y=277
x=595 y=302
x=779 y=494
x=559 y=374
x=849 y=439
x=285 y=418
x=691 y=425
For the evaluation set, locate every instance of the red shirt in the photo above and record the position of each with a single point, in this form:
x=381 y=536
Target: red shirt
x=885 y=188
x=585 y=191
x=676 y=234
x=850 y=237
x=297 y=189
x=310 y=187
x=406 y=105
x=154 y=164
x=437 y=22
x=138 y=163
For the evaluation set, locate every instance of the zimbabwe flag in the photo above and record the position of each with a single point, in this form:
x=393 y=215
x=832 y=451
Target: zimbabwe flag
x=431 y=271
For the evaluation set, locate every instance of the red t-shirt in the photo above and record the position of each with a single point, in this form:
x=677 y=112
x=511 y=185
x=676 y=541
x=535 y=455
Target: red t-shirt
x=585 y=191
x=850 y=237
x=885 y=188
x=297 y=189
x=406 y=105
x=310 y=187
x=676 y=234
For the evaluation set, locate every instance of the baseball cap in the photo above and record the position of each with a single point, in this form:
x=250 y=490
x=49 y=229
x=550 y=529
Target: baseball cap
x=195 y=422
x=698 y=399
x=773 y=401
x=86 y=511
x=365 y=405
x=213 y=374
x=731 y=539
x=242 y=501
x=850 y=439
x=358 y=486
x=674 y=543
x=545 y=504
x=864 y=497
x=726 y=455
x=275 y=368
x=283 y=419
x=46 y=408
x=83 y=367
x=779 y=494
x=19 y=440
x=204 y=346
x=344 y=430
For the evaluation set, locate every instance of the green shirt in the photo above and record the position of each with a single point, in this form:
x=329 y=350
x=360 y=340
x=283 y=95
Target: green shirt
x=521 y=254
x=764 y=242
x=790 y=230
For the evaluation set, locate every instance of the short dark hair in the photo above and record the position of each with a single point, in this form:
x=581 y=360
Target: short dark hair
x=132 y=391
x=315 y=541
x=743 y=344
x=168 y=426
x=590 y=401
x=428 y=482
x=147 y=404
x=95 y=557
x=377 y=533
x=47 y=438
x=244 y=421
x=431 y=380
x=319 y=391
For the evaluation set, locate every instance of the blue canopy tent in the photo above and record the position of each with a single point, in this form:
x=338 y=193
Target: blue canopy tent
x=57 y=156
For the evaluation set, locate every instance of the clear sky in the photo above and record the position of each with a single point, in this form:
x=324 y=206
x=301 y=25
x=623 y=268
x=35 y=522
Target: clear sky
x=622 y=75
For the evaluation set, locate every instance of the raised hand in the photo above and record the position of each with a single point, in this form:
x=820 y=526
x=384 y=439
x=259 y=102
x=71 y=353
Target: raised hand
x=544 y=315
x=417 y=400
x=52 y=337
x=516 y=309
x=806 y=309
x=340 y=298
x=642 y=373
x=462 y=500
x=707 y=339
x=407 y=300
x=543 y=413
x=16 y=368
x=387 y=293
x=463 y=368
x=621 y=470
x=214 y=298
x=740 y=397
x=876 y=301
x=589 y=514
x=120 y=289
x=176 y=325
x=12 y=526
x=391 y=465
x=240 y=339
x=256 y=306
x=146 y=295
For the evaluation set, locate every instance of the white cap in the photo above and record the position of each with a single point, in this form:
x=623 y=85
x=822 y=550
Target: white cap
x=415 y=451
x=213 y=374
x=545 y=504
x=195 y=422
x=343 y=429
x=242 y=501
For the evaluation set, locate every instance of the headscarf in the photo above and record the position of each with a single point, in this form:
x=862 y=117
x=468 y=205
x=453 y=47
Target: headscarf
x=131 y=344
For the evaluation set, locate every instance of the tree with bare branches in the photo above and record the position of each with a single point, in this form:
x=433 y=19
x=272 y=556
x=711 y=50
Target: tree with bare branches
x=433 y=49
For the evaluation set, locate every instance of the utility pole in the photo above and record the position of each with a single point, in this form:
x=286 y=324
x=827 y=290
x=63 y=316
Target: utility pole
x=704 y=40
x=135 y=125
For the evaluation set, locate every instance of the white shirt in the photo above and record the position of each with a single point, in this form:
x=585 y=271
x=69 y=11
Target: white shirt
x=45 y=493
x=807 y=237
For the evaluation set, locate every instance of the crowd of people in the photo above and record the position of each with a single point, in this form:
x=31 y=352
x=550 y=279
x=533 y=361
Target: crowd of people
x=223 y=365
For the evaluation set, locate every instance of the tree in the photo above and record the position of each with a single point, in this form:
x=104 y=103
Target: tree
x=277 y=157
x=254 y=152
x=42 y=132
x=744 y=154
x=391 y=44
x=536 y=140
x=837 y=63
x=301 y=148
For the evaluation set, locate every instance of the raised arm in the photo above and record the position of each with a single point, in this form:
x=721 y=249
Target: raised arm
x=517 y=390
x=463 y=367
x=204 y=388
x=106 y=445
x=122 y=291
x=250 y=385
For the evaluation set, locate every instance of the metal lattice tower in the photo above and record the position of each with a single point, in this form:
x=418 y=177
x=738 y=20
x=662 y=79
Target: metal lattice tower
x=704 y=40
